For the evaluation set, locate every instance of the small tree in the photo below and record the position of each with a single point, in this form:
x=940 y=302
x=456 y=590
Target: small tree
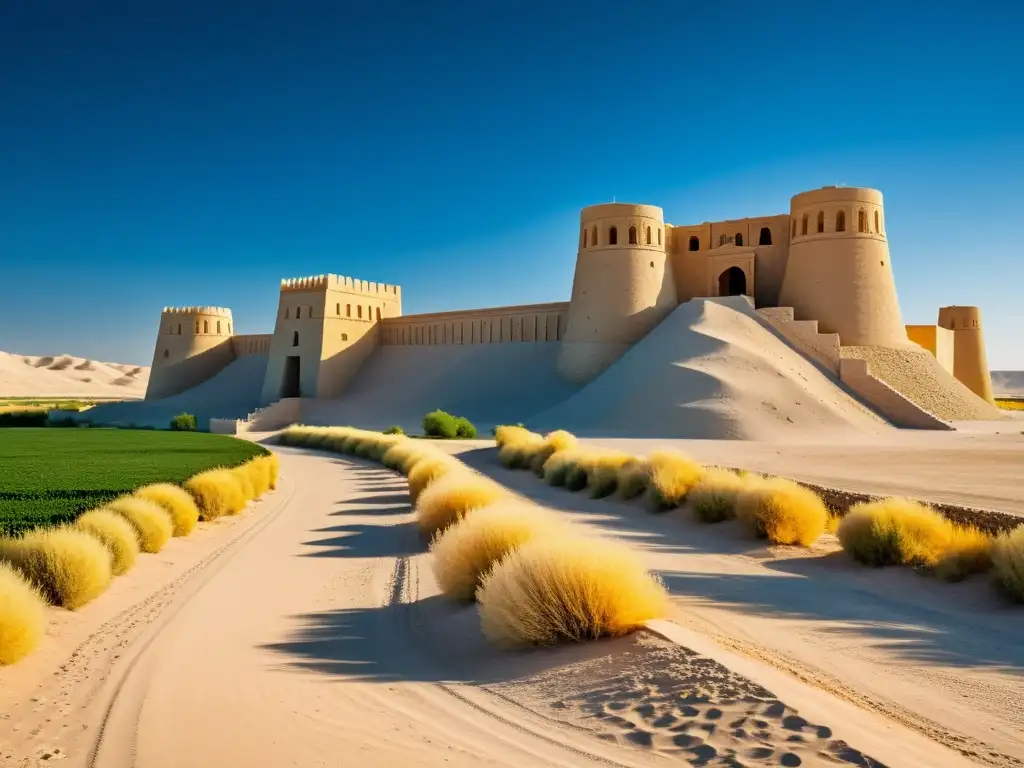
x=184 y=422
x=394 y=430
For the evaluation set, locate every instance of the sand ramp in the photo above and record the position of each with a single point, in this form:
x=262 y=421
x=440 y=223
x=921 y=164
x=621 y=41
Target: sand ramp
x=233 y=393
x=487 y=383
x=711 y=370
x=69 y=376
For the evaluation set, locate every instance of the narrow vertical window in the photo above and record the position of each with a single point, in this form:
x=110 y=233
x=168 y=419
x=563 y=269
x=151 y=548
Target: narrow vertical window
x=821 y=221
x=378 y=314
x=659 y=235
x=197 y=326
x=765 y=237
x=337 y=309
x=694 y=243
x=206 y=326
x=862 y=221
x=295 y=338
x=348 y=310
x=722 y=239
x=876 y=222
x=803 y=225
x=841 y=221
x=613 y=236
x=218 y=326
x=632 y=236
x=739 y=238
x=179 y=329
x=298 y=313
x=648 y=235
x=359 y=311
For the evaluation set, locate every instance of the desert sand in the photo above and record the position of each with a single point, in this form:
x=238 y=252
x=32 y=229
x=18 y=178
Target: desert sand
x=67 y=376
x=309 y=631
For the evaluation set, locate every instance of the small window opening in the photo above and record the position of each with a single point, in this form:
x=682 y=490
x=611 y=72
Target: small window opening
x=632 y=236
x=722 y=239
x=613 y=236
x=862 y=221
x=206 y=326
x=348 y=310
x=694 y=243
x=648 y=235
x=739 y=238
x=359 y=311
x=765 y=237
x=841 y=221
x=876 y=222
x=821 y=221
x=295 y=338
x=803 y=225
x=167 y=353
x=659 y=236
x=378 y=314
x=344 y=337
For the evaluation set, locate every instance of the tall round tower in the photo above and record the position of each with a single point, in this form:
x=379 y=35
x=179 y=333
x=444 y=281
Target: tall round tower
x=970 y=361
x=193 y=343
x=622 y=288
x=839 y=272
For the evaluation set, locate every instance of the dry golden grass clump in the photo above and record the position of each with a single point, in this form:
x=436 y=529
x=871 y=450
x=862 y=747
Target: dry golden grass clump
x=504 y=435
x=273 y=465
x=602 y=471
x=22 y=616
x=1008 y=561
x=633 y=478
x=297 y=434
x=70 y=566
x=451 y=498
x=559 y=440
x=782 y=511
x=567 y=587
x=558 y=465
x=673 y=476
x=216 y=492
x=244 y=480
x=116 y=534
x=713 y=499
x=898 y=531
x=426 y=472
x=466 y=551
x=178 y=503
x=152 y=524
x=517 y=454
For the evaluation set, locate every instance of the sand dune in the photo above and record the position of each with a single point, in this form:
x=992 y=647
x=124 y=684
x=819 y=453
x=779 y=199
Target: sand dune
x=68 y=376
x=711 y=370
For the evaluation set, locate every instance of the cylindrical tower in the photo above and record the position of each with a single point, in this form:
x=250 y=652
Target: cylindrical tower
x=839 y=272
x=623 y=286
x=193 y=343
x=970 y=361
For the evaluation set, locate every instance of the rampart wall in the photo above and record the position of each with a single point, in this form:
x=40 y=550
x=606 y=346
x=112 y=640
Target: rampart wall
x=499 y=325
x=253 y=344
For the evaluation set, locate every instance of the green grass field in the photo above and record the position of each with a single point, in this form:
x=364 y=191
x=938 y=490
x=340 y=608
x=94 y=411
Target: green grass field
x=49 y=476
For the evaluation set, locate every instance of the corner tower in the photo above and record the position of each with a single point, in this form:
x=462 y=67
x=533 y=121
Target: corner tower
x=839 y=272
x=192 y=345
x=623 y=286
x=970 y=361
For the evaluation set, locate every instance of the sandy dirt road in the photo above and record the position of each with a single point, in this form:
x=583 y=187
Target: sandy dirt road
x=947 y=660
x=310 y=633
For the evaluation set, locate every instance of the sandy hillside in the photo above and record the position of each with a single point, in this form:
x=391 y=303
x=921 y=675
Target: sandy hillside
x=309 y=631
x=67 y=376
x=711 y=370
x=1009 y=383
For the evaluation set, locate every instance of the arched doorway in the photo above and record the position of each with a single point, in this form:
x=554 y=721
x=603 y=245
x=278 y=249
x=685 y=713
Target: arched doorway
x=732 y=282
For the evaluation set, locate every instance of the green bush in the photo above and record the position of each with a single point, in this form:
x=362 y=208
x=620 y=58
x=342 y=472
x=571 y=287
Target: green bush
x=394 y=430
x=464 y=428
x=23 y=419
x=440 y=424
x=183 y=422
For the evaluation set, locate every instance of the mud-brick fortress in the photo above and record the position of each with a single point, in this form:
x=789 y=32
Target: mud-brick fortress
x=819 y=276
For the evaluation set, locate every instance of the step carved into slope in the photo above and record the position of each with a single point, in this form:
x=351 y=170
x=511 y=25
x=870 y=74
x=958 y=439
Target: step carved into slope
x=803 y=335
x=892 y=404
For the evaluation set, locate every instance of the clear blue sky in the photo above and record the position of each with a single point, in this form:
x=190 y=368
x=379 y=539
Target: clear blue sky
x=163 y=153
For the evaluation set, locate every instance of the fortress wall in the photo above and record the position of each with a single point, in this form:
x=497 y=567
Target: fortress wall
x=970 y=359
x=252 y=344
x=499 y=325
x=937 y=340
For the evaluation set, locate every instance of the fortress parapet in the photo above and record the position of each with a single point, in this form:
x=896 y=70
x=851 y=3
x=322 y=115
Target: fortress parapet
x=341 y=283
x=192 y=345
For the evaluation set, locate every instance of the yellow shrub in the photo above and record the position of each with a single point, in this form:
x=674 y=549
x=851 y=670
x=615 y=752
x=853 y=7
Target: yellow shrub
x=969 y=552
x=176 y=501
x=397 y=455
x=538 y=454
x=895 y=531
x=673 y=476
x=152 y=524
x=425 y=473
x=512 y=434
x=273 y=462
x=451 y=498
x=633 y=478
x=517 y=455
x=567 y=587
x=782 y=511
x=1008 y=559
x=116 y=534
x=714 y=498
x=466 y=551
x=259 y=474
x=70 y=566
x=216 y=492
x=558 y=465
x=245 y=484
x=603 y=472
x=22 y=616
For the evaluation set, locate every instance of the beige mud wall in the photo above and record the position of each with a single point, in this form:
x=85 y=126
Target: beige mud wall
x=842 y=275
x=499 y=325
x=251 y=344
x=621 y=289
x=192 y=345
x=937 y=340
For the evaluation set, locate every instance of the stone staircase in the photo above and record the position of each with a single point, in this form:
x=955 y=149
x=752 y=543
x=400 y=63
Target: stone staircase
x=286 y=411
x=824 y=349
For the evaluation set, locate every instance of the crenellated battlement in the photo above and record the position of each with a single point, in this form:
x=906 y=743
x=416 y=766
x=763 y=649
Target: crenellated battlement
x=341 y=283
x=216 y=311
